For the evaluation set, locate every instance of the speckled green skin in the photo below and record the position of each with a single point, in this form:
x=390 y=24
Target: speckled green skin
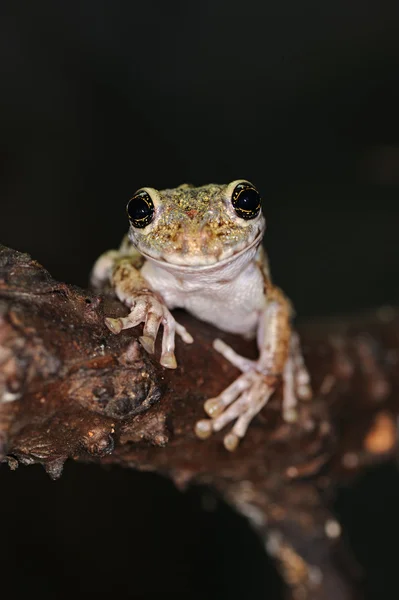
x=195 y=226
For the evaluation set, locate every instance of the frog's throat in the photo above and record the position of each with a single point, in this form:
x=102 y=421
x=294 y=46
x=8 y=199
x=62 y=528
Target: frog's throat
x=211 y=266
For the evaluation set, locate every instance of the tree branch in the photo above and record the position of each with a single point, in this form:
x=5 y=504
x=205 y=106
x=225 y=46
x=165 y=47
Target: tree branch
x=70 y=388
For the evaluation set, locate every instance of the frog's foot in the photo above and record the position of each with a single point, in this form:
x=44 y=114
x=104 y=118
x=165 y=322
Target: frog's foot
x=248 y=394
x=148 y=309
x=242 y=400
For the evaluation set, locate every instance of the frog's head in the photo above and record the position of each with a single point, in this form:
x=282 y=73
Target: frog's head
x=200 y=226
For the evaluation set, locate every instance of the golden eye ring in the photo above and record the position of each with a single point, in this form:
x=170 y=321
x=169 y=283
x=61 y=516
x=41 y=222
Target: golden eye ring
x=140 y=209
x=246 y=201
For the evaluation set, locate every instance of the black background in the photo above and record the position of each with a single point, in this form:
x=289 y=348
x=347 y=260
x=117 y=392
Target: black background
x=100 y=98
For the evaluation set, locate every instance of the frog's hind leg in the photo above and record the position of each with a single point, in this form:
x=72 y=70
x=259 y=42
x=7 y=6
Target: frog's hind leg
x=296 y=380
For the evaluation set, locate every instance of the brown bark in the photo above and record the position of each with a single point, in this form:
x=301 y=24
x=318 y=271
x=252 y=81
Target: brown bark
x=71 y=389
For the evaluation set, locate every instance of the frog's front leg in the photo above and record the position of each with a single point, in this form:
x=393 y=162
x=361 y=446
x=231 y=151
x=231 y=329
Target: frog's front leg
x=146 y=306
x=280 y=358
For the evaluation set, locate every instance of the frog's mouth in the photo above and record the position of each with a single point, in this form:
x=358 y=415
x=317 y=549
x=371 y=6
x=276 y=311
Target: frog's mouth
x=177 y=262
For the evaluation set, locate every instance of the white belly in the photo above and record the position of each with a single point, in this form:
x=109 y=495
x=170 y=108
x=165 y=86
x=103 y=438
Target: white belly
x=233 y=305
x=223 y=312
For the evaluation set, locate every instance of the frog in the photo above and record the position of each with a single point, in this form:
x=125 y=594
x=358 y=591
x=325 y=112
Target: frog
x=200 y=249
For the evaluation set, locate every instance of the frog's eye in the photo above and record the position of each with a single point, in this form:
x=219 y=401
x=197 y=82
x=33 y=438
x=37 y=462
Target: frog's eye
x=140 y=209
x=246 y=200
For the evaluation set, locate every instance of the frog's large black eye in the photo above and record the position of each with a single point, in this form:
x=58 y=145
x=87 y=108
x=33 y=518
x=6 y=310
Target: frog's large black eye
x=140 y=210
x=246 y=200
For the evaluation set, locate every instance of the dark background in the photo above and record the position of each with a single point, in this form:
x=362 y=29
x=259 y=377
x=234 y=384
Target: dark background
x=100 y=98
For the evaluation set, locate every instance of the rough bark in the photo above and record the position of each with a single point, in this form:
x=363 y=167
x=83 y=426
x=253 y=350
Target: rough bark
x=71 y=389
